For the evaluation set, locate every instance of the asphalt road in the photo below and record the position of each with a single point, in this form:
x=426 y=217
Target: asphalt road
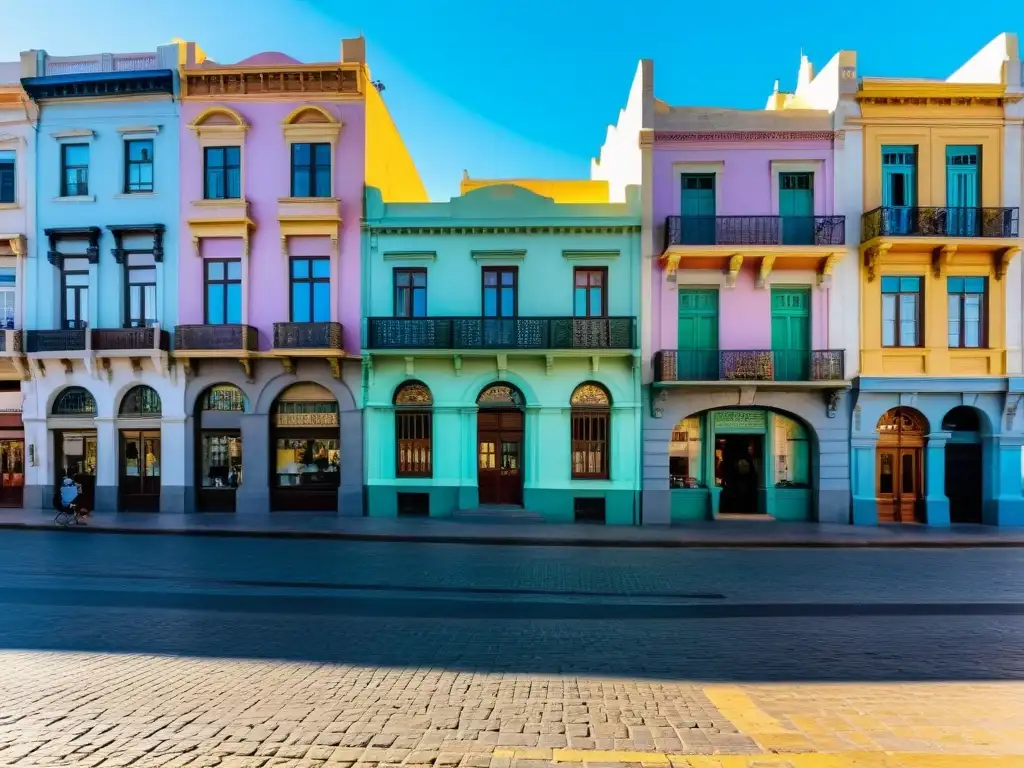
x=711 y=615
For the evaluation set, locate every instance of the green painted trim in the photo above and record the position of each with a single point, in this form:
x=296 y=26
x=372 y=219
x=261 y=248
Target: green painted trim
x=410 y=256
x=590 y=255
x=516 y=255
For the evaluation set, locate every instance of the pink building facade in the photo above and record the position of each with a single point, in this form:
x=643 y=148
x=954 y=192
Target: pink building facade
x=272 y=170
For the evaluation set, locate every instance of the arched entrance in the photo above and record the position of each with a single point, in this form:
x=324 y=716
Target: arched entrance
x=752 y=461
x=138 y=422
x=218 y=463
x=963 y=464
x=499 y=430
x=73 y=421
x=899 y=472
x=306 y=454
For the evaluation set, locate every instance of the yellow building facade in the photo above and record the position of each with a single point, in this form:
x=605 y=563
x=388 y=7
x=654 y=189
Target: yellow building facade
x=936 y=436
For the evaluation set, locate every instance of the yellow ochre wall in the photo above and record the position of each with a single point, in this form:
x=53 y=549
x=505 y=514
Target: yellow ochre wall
x=931 y=127
x=934 y=358
x=389 y=166
x=559 y=190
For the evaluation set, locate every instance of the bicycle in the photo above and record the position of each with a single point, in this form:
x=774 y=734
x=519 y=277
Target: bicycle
x=68 y=516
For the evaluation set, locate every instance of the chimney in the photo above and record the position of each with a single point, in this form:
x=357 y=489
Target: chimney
x=353 y=50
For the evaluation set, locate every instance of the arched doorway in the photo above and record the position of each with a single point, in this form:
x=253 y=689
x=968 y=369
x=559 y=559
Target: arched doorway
x=963 y=464
x=306 y=454
x=73 y=421
x=499 y=430
x=218 y=463
x=138 y=422
x=899 y=472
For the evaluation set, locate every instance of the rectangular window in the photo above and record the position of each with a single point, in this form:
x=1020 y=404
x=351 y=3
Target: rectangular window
x=74 y=170
x=74 y=278
x=590 y=443
x=412 y=433
x=8 y=294
x=223 y=291
x=140 y=283
x=901 y=312
x=410 y=292
x=222 y=173
x=311 y=290
x=500 y=299
x=589 y=292
x=311 y=170
x=966 y=303
x=7 y=176
x=138 y=165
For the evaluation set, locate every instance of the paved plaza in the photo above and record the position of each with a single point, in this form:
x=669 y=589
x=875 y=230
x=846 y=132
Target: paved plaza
x=183 y=651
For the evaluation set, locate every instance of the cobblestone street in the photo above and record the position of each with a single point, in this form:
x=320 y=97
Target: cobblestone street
x=172 y=651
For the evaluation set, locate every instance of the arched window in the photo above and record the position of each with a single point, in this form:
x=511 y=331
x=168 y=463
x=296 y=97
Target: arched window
x=413 y=430
x=223 y=397
x=75 y=401
x=792 y=454
x=500 y=396
x=141 y=401
x=590 y=429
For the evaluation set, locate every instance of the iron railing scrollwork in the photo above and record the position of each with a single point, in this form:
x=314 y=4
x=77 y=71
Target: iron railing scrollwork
x=66 y=340
x=307 y=336
x=113 y=339
x=755 y=230
x=749 y=365
x=502 y=333
x=889 y=221
x=213 y=337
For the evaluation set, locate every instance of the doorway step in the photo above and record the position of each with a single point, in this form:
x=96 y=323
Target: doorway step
x=498 y=513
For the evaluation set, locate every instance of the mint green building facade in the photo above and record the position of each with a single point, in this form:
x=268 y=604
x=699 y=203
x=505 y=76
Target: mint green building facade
x=500 y=356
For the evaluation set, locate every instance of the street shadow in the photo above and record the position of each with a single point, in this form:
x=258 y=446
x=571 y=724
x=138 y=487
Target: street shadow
x=765 y=616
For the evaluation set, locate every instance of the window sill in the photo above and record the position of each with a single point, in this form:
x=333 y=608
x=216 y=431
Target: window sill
x=134 y=195
x=75 y=199
x=9 y=206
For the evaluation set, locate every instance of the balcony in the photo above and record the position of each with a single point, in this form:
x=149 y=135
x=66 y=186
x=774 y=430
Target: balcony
x=512 y=333
x=76 y=340
x=313 y=339
x=129 y=342
x=214 y=340
x=940 y=223
x=749 y=365
x=775 y=242
x=12 y=355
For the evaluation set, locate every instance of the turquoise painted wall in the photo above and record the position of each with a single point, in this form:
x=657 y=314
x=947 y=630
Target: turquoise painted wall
x=498 y=226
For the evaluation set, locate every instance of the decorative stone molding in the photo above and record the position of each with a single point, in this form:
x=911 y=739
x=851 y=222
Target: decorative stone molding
x=745 y=136
x=626 y=229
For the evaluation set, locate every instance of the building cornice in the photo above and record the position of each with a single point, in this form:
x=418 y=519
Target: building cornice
x=290 y=81
x=903 y=89
x=100 y=84
x=612 y=229
x=742 y=136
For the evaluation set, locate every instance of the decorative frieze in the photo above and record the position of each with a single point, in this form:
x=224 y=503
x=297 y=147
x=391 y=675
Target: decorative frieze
x=549 y=230
x=332 y=80
x=738 y=136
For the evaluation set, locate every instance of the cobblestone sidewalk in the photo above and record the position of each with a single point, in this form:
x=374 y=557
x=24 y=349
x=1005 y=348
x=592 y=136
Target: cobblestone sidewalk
x=64 y=709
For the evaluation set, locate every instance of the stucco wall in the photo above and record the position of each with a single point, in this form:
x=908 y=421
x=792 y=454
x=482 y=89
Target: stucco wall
x=266 y=177
x=106 y=204
x=18 y=135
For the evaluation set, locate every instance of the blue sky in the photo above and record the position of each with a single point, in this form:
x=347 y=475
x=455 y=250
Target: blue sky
x=527 y=88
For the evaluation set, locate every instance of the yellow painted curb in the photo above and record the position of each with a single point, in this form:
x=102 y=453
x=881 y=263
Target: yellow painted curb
x=607 y=756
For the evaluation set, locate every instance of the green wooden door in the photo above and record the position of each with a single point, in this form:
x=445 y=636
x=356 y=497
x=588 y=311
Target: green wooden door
x=698 y=209
x=796 y=207
x=791 y=333
x=963 y=191
x=899 y=189
x=698 y=335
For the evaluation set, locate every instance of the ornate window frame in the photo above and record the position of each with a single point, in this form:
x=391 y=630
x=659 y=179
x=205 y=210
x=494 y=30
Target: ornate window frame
x=590 y=438
x=414 y=430
x=328 y=132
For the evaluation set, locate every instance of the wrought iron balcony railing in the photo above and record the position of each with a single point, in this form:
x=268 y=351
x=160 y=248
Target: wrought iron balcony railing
x=67 y=340
x=939 y=222
x=502 y=332
x=755 y=230
x=749 y=365
x=307 y=336
x=125 y=339
x=215 y=337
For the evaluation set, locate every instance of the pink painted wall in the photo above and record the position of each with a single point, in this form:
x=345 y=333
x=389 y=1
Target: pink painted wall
x=266 y=169
x=744 y=189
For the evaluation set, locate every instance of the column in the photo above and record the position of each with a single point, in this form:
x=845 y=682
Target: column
x=189 y=452
x=350 y=494
x=936 y=503
x=1002 y=457
x=108 y=461
x=253 y=495
x=39 y=469
x=172 y=465
x=862 y=474
x=469 y=492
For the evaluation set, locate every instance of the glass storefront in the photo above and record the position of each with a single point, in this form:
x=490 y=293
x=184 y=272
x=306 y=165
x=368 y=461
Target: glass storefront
x=12 y=472
x=221 y=461
x=219 y=448
x=306 y=450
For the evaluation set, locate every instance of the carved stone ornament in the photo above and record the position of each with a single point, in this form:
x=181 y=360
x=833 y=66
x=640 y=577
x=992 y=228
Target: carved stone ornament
x=413 y=393
x=590 y=396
